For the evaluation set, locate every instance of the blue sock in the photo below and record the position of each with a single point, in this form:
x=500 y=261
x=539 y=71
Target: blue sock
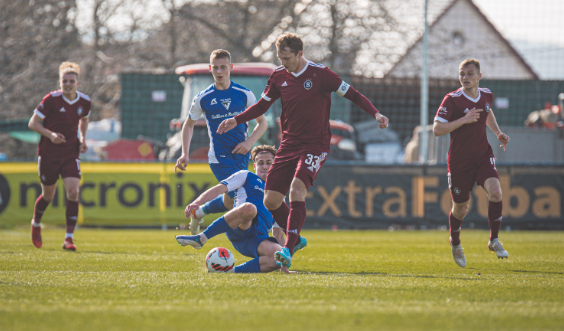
x=215 y=206
x=218 y=226
x=252 y=266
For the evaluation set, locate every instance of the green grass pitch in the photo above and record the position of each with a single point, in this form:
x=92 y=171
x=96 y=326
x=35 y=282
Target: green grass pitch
x=348 y=280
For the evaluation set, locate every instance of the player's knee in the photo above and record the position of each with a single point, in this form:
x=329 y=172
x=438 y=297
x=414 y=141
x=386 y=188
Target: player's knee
x=271 y=204
x=495 y=195
x=72 y=194
x=248 y=210
x=459 y=211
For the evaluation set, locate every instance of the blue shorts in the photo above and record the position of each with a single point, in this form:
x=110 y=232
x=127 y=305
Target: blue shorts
x=223 y=171
x=247 y=242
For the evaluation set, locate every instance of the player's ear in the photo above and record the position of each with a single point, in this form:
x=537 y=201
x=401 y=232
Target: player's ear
x=231 y=66
x=209 y=67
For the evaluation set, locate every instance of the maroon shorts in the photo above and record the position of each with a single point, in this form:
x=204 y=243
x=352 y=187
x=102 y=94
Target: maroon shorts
x=461 y=183
x=303 y=163
x=49 y=170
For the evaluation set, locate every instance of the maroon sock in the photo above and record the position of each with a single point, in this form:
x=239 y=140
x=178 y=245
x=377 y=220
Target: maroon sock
x=281 y=215
x=72 y=214
x=295 y=223
x=455 y=225
x=40 y=206
x=494 y=218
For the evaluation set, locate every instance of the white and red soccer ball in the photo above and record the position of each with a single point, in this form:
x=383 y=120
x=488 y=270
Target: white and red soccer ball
x=220 y=259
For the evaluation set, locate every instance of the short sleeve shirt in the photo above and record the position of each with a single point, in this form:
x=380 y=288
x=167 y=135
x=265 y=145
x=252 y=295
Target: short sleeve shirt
x=62 y=116
x=249 y=187
x=469 y=143
x=216 y=106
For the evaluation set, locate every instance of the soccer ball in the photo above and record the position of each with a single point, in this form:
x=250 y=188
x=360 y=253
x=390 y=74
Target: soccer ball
x=220 y=259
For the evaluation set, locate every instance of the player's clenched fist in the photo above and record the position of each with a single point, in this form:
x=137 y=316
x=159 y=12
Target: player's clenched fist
x=382 y=120
x=473 y=115
x=227 y=125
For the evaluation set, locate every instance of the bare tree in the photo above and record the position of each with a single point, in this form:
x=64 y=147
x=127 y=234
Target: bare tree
x=335 y=30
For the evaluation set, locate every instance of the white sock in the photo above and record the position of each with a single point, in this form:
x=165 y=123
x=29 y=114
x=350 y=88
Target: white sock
x=68 y=235
x=200 y=213
x=36 y=225
x=203 y=238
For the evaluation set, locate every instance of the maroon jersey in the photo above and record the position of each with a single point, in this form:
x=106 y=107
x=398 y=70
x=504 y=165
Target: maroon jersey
x=62 y=115
x=469 y=143
x=306 y=103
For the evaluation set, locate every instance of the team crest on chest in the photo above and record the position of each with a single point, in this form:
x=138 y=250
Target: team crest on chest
x=226 y=103
x=488 y=108
x=308 y=84
x=79 y=111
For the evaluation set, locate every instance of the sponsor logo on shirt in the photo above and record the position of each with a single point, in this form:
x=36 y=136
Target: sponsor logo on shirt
x=442 y=110
x=213 y=102
x=308 y=84
x=259 y=188
x=79 y=111
x=284 y=84
x=230 y=114
x=62 y=110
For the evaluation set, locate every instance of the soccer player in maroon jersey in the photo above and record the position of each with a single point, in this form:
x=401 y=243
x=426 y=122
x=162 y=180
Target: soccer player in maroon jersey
x=305 y=90
x=464 y=114
x=63 y=113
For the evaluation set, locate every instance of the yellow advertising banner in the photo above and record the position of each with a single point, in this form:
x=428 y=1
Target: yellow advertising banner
x=111 y=194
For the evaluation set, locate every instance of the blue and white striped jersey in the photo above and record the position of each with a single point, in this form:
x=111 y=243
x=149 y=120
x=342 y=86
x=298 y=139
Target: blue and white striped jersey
x=249 y=187
x=216 y=106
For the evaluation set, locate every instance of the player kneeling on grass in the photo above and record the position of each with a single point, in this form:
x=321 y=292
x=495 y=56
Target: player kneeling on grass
x=247 y=225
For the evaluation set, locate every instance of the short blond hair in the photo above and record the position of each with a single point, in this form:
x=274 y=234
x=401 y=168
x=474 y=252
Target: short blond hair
x=69 y=68
x=262 y=148
x=220 y=54
x=467 y=62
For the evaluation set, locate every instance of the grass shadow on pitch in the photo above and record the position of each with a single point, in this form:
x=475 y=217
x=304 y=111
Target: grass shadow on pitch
x=383 y=274
x=539 y=272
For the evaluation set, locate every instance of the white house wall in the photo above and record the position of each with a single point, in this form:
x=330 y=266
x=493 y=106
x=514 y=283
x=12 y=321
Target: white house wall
x=475 y=39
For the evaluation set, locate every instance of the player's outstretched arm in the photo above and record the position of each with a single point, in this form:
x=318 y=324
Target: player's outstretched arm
x=35 y=125
x=186 y=139
x=442 y=128
x=208 y=195
x=491 y=122
x=251 y=113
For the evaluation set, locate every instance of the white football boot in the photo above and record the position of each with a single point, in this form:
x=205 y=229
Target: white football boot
x=497 y=247
x=458 y=255
x=195 y=223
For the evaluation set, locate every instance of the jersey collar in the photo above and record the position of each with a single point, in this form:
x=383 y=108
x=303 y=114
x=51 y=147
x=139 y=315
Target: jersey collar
x=471 y=99
x=73 y=101
x=304 y=69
